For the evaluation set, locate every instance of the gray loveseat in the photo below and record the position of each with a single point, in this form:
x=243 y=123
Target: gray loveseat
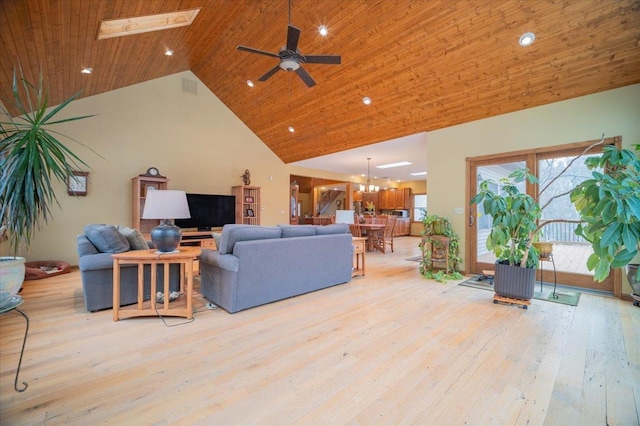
x=95 y=248
x=255 y=265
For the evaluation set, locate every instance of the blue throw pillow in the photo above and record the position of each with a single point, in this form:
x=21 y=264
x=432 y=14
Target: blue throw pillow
x=106 y=238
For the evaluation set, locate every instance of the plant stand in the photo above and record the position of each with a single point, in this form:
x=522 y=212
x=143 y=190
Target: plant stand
x=523 y=303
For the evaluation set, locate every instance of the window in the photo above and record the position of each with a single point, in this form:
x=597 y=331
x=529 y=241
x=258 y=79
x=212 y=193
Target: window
x=419 y=206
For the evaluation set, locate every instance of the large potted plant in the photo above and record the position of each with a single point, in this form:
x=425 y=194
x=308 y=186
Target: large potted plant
x=31 y=157
x=515 y=228
x=609 y=205
x=609 y=209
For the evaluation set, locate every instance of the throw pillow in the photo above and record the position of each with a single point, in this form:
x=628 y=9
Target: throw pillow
x=216 y=237
x=135 y=238
x=106 y=238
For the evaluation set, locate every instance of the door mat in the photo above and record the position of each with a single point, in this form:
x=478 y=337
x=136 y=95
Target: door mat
x=564 y=296
x=415 y=259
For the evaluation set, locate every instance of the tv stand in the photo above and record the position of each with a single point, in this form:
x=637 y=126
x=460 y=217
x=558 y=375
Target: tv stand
x=202 y=239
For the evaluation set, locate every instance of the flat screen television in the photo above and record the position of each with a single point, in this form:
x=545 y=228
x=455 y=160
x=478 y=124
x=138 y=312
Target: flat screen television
x=209 y=211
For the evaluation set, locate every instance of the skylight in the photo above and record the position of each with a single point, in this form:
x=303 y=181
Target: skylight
x=143 y=24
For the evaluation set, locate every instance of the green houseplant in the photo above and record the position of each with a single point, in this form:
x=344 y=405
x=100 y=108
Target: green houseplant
x=608 y=204
x=434 y=225
x=31 y=156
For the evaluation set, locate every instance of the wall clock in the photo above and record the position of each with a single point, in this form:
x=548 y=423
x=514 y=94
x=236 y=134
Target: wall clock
x=77 y=183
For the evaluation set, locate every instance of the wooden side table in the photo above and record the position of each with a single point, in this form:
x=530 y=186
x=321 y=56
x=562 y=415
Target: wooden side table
x=359 y=244
x=182 y=308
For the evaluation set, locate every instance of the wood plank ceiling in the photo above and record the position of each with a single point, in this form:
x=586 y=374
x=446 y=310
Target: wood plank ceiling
x=425 y=64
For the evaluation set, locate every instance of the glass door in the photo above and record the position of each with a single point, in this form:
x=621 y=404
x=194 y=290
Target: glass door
x=479 y=223
x=570 y=252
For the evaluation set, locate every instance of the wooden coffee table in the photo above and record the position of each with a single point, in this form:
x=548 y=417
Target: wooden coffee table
x=182 y=307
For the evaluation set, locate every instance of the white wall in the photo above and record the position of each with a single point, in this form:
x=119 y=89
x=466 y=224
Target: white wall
x=615 y=112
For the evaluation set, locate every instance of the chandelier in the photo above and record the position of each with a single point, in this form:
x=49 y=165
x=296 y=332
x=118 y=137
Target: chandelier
x=369 y=187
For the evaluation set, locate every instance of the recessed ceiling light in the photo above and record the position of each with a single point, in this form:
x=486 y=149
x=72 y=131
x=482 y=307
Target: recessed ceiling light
x=168 y=52
x=526 y=39
x=323 y=30
x=86 y=70
x=390 y=165
x=366 y=100
x=291 y=129
x=418 y=174
x=249 y=83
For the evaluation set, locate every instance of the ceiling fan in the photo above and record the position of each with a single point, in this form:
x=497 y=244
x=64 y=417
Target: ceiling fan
x=290 y=57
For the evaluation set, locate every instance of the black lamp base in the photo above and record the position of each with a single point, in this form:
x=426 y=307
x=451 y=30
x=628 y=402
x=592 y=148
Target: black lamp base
x=166 y=236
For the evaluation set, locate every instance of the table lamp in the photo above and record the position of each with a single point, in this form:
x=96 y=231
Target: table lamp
x=166 y=205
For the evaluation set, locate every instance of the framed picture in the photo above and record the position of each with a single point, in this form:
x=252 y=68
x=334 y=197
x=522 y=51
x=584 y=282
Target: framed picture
x=250 y=212
x=77 y=183
x=248 y=199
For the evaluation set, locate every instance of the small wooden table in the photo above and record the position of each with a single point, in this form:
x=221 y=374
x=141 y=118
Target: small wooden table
x=359 y=250
x=184 y=256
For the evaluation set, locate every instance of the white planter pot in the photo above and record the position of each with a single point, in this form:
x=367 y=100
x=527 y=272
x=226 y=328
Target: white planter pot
x=11 y=277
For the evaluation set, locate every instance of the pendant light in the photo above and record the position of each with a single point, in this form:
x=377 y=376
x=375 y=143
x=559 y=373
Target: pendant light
x=369 y=187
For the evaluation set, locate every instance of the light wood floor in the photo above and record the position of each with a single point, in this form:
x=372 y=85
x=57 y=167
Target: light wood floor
x=389 y=348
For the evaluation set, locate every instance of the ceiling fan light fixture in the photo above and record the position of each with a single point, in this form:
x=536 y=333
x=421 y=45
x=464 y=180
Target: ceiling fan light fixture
x=289 y=64
x=323 y=30
x=527 y=39
x=250 y=83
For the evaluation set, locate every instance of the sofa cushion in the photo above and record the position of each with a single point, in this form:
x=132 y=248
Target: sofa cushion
x=289 y=231
x=85 y=247
x=231 y=234
x=135 y=238
x=106 y=238
x=335 y=228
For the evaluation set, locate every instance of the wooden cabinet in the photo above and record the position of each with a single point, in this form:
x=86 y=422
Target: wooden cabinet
x=141 y=185
x=395 y=199
x=247 y=204
x=403 y=227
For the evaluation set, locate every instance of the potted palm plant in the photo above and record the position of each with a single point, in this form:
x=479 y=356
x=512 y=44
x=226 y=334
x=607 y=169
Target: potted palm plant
x=609 y=208
x=31 y=156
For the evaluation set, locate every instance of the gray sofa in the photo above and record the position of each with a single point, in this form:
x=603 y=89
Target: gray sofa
x=95 y=248
x=255 y=265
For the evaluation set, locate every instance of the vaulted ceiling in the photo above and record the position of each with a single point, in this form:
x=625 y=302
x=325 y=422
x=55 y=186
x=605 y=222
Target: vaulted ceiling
x=425 y=64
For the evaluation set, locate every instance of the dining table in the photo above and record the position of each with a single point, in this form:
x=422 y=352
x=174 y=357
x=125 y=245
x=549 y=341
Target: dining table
x=372 y=231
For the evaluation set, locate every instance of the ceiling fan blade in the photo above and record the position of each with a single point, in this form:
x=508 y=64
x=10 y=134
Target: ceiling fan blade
x=261 y=52
x=305 y=77
x=271 y=72
x=322 y=59
x=293 y=35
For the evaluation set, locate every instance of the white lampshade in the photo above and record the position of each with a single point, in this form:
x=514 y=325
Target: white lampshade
x=166 y=204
